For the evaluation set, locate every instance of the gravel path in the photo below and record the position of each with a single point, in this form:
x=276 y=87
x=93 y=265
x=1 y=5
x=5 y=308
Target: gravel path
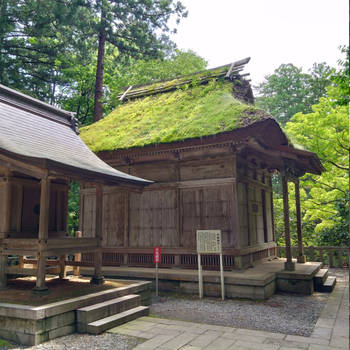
x=291 y=314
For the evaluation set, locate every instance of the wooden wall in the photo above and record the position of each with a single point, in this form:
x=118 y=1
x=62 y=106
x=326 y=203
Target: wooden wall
x=194 y=190
x=24 y=198
x=254 y=203
x=197 y=189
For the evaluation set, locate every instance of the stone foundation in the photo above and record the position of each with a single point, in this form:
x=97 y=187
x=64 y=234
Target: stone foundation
x=32 y=325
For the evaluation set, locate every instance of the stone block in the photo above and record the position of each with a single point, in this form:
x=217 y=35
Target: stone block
x=58 y=321
x=291 y=285
x=61 y=331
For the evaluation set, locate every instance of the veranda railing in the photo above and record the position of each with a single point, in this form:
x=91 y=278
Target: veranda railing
x=331 y=256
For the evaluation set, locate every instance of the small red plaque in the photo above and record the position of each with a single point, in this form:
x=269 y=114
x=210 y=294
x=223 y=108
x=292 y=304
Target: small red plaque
x=157 y=255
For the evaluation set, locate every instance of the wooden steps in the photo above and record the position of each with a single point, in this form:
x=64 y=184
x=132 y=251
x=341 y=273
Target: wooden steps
x=323 y=282
x=99 y=317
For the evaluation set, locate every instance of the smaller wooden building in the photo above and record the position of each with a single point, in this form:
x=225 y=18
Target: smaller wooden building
x=211 y=154
x=40 y=152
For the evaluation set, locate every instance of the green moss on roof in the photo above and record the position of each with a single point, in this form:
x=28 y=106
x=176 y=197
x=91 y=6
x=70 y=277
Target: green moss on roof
x=174 y=116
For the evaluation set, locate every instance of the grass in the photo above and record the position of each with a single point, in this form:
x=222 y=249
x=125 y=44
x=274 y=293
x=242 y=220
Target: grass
x=4 y=344
x=187 y=112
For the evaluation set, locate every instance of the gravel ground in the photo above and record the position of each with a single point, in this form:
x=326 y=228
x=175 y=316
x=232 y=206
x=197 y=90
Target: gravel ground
x=105 y=341
x=284 y=313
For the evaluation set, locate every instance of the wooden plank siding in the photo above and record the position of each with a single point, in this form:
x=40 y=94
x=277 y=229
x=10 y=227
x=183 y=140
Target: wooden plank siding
x=199 y=189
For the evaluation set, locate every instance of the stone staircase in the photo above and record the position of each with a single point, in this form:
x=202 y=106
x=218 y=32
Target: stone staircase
x=97 y=318
x=323 y=282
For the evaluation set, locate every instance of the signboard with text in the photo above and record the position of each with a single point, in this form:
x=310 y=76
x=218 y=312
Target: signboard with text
x=208 y=241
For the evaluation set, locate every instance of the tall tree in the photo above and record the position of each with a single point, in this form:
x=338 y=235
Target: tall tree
x=37 y=40
x=288 y=90
x=132 y=26
x=120 y=73
x=324 y=131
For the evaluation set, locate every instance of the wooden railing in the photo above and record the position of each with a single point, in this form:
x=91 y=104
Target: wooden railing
x=331 y=256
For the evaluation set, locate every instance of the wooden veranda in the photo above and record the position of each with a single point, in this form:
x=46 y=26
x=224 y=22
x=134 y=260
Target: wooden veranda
x=40 y=153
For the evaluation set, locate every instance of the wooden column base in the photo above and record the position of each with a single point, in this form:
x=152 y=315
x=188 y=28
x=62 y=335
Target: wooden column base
x=3 y=274
x=40 y=291
x=97 y=280
x=63 y=270
x=301 y=259
x=289 y=266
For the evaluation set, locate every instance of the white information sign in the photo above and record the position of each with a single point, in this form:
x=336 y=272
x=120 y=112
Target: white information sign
x=209 y=242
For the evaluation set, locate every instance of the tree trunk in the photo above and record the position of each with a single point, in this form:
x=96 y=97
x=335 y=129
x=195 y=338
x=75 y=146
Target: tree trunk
x=99 y=77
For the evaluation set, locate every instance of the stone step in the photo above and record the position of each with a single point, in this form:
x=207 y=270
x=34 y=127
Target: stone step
x=104 y=309
x=102 y=325
x=328 y=285
x=320 y=277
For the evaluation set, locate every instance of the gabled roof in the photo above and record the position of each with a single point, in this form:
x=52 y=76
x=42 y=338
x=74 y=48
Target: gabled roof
x=39 y=134
x=208 y=107
x=201 y=104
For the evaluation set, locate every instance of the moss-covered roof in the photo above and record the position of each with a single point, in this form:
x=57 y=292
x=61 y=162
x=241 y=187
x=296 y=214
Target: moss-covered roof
x=185 y=113
x=200 y=108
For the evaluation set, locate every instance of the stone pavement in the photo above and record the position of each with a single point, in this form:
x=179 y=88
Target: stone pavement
x=331 y=332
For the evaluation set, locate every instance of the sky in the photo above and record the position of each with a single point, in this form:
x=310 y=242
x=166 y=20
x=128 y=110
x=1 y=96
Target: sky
x=271 y=32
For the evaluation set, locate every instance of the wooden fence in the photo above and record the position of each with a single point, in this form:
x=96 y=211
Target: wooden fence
x=331 y=256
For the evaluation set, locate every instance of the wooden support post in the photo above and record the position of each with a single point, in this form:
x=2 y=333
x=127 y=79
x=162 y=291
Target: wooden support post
x=97 y=278
x=5 y=230
x=63 y=269
x=21 y=262
x=301 y=256
x=77 y=256
x=289 y=265
x=43 y=236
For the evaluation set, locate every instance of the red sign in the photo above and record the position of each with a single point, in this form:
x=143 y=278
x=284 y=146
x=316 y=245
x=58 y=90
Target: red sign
x=157 y=257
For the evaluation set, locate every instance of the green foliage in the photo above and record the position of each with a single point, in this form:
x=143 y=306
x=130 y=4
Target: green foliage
x=4 y=344
x=48 y=49
x=37 y=41
x=122 y=74
x=288 y=90
x=73 y=208
x=168 y=117
x=325 y=198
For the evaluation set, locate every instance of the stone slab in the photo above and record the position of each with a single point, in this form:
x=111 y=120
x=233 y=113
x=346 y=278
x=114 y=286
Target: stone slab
x=102 y=325
x=107 y=308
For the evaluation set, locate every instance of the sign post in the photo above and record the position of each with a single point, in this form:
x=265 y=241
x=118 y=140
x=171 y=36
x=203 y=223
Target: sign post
x=209 y=242
x=157 y=259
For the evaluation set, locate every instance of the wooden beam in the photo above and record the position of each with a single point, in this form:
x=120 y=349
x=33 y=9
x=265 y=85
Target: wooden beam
x=22 y=167
x=289 y=265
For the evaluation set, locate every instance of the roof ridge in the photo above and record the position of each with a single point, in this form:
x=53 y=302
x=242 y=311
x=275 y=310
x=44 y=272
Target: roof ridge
x=33 y=105
x=228 y=71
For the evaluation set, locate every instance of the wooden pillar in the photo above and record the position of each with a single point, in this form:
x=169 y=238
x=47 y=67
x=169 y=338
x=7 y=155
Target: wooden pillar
x=289 y=265
x=97 y=278
x=63 y=269
x=301 y=257
x=5 y=230
x=43 y=236
x=77 y=256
